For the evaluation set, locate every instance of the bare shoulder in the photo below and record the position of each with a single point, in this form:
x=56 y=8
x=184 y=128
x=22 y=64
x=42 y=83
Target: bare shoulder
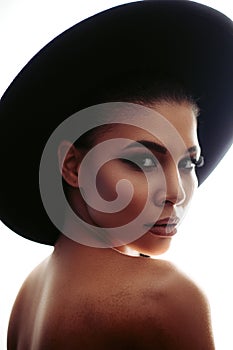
x=144 y=304
x=178 y=309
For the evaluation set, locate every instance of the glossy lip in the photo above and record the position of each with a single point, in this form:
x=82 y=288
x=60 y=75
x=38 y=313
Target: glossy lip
x=164 y=228
x=162 y=231
x=173 y=220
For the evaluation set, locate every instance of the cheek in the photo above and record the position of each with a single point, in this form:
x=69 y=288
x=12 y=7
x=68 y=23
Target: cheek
x=115 y=179
x=133 y=193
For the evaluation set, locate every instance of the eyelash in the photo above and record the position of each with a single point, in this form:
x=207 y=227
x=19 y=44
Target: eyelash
x=136 y=161
x=194 y=163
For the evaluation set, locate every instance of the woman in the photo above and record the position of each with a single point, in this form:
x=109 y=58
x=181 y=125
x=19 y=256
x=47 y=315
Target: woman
x=85 y=296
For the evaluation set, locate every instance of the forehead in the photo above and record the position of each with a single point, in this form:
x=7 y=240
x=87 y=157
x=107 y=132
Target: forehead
x=170 y=124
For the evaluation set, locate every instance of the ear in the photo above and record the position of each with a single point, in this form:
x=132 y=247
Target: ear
x=69 y=158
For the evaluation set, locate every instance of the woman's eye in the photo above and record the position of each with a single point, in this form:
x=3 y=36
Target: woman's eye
x=191 y=163
x=141 y=161
x=186 y=164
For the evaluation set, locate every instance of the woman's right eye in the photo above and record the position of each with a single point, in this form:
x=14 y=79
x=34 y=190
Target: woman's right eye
x=141 y=162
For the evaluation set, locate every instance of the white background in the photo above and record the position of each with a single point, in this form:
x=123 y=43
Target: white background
x=203 y=247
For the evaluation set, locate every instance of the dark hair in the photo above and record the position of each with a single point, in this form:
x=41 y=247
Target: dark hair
x=146 y=92
x=139 y=91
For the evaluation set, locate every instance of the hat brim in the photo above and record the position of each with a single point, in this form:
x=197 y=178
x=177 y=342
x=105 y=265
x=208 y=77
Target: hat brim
x=178 y=40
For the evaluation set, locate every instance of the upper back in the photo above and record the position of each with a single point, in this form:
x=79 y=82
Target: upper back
x=147 y=305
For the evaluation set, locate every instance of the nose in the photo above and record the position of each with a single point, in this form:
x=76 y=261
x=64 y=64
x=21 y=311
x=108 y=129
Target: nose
x=172 y=192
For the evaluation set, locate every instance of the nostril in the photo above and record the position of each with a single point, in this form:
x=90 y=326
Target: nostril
x=175 y=197
x=170 y=202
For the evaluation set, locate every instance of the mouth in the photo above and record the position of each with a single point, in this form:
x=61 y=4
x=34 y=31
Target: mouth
x=165 y=228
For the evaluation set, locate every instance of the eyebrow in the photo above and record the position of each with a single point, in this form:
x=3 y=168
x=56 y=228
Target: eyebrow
x=157 y=147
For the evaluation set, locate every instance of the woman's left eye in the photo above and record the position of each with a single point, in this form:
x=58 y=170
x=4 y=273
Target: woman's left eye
x=187 y=164
x=191 y=163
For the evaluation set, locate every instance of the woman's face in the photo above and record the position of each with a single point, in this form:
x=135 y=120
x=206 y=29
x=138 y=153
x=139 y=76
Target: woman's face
x=164 y=177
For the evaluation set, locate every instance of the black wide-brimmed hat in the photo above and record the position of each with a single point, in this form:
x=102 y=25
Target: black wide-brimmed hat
x=166 y=39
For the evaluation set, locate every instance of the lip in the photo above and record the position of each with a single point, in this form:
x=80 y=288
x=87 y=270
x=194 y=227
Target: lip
x=173 y=220
x=163 y=231
x=164 y=228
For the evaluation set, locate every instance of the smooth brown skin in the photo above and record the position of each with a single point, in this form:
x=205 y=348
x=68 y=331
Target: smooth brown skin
x=88 y=298
x=96 y=298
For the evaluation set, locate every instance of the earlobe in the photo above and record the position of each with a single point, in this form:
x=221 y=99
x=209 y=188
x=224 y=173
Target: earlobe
x=69 y=159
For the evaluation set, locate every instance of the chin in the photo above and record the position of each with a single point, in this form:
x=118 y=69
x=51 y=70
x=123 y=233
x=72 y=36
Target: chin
x=146 y=246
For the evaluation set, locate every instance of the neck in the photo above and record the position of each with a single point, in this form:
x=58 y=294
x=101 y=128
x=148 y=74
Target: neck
x=69 y=250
